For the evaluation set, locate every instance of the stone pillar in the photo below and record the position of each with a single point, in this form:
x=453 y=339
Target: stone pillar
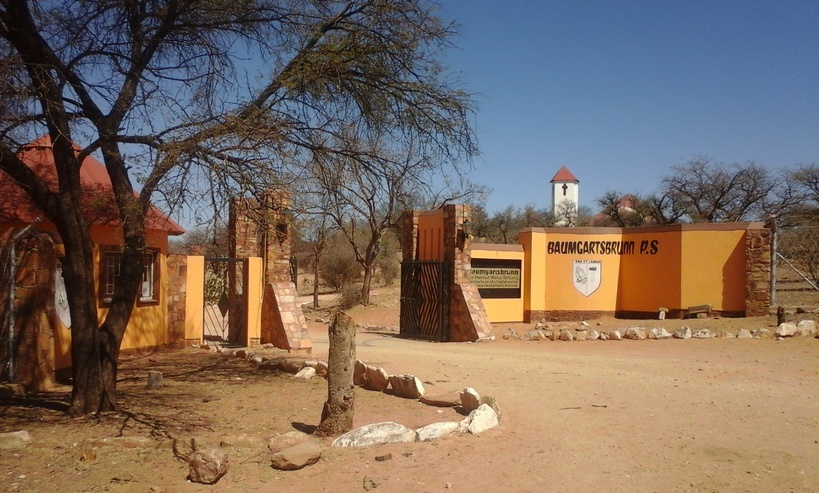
x=757 y=270
x=177 y=267
x=468 y=320
x=262 y=229
x=409 y=235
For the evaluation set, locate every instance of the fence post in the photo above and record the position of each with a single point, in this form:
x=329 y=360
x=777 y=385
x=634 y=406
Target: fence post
x=772 y=222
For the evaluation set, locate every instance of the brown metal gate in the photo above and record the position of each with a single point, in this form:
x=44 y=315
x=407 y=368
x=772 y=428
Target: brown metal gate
x=425 y=300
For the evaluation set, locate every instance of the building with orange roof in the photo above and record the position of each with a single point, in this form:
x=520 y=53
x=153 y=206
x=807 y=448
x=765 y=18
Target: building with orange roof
x=26 y=230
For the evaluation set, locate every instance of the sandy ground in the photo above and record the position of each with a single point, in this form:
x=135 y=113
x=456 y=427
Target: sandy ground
x=719 y=415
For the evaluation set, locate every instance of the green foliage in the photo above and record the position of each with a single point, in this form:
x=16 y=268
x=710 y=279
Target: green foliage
x=338 y=265
x=349 y=296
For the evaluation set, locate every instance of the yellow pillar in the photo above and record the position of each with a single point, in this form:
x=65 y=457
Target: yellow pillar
x=253 y=283
x=195 y=300
x=533 y=241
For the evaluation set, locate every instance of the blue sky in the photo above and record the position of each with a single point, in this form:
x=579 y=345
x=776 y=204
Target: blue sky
x=620 y=91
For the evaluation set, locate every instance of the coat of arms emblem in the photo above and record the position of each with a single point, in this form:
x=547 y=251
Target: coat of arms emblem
x=586 y=275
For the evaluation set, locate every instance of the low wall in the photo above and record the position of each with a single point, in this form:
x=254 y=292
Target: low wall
x=497 y=271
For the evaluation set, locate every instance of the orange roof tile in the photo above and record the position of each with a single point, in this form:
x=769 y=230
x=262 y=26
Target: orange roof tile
x=98 y=200
x=564 y=174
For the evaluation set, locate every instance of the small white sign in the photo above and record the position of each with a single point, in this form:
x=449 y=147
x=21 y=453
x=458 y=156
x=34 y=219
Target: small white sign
x=586 y=275
x=61 y=297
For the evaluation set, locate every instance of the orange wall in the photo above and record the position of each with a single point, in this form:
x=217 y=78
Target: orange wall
x=672 y=266
x=431 y=235
x=560 y=293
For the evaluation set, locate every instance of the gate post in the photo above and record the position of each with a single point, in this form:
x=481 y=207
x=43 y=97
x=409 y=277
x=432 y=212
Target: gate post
x=253 y=281
x=194 y=300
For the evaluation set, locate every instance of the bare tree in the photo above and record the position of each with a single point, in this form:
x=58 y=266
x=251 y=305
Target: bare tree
x=152 y=88
x=713 y=192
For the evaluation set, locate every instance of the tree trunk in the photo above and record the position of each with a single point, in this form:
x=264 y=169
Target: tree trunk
x=365 y=287
x=337 y=415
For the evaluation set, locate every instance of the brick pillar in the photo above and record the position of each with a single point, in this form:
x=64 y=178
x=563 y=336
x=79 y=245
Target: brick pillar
x=468 y=320
x=757 y=271
x=177 y=299
x=409 y=235
x=263 y=230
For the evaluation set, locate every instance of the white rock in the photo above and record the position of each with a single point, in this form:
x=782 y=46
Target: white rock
x=635 y=333
x=534 y=335
x=481 y=419
x=702 y=334
x=615 y=335
x=511 y=334
x=376 y=379
x=806 y=328
x=593 y=335
x=659 y=333
x=744 y=334
x=566 y=335
x=437 y=430
x=408 y=386
x=786 y=329
x=470 y=399
x=207 y=466
x=15 y=439
x=306 y=373
x=683 y=332
x=384 y=432
x=581 y=335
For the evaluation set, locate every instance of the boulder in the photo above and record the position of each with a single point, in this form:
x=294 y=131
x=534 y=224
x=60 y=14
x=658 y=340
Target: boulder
x=437 y=430
x=207 y=466
x=493 y=403
x=296 y=457
x=534 y=335
x=702 y=334
x=481 y=419
x=375 y=378
x=154 y=380
x=683 y=332
x=725 y=334
x=358 y=372
x=762 y=333
x=287 y=440
x=635 y=333
x=321 y=368
x=786 y=329
x=306 y=373
x=744 y=334
x=450 y=399
x=384 y=432
x=15 y=439
x=566 y=335
x=615 y=335
x=659 y=333
x=408 y=386
x=581 y=335
x=511 y=334
x=470 y=399
x=594 y=335
x=604 y=336
x=806 y=328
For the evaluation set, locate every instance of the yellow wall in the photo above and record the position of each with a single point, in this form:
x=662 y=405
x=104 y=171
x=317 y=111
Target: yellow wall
x=713 y=268
x=502 y=309
x=431 y=235
x=671 y=266
x=560 y=293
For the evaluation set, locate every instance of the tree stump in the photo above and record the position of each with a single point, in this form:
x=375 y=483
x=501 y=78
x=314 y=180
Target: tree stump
x=154 y=380
x=337 y=415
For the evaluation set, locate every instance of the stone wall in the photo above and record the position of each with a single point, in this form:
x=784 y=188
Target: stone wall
x=758 y=272
x=262 y=229
x=177 y=300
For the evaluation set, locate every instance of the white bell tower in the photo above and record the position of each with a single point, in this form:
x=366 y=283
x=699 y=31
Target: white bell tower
x=565 y=196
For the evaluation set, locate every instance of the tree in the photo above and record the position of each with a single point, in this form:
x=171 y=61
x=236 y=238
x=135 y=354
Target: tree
x=364 y=193
x=625 y=210
x=714 y=192
x=152 y=88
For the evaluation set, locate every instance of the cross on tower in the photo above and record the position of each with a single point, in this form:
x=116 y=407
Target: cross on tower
x=565 y=187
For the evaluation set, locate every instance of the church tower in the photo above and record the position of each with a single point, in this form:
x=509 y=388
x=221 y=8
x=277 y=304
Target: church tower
x=565 y=196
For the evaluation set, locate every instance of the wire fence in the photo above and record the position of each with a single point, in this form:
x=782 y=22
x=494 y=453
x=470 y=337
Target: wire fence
x=797 y=267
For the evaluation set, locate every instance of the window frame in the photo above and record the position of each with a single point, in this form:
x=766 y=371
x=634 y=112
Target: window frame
x=109 y=265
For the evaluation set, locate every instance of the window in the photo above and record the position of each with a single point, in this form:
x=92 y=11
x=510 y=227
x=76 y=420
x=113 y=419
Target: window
x=110 y=271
